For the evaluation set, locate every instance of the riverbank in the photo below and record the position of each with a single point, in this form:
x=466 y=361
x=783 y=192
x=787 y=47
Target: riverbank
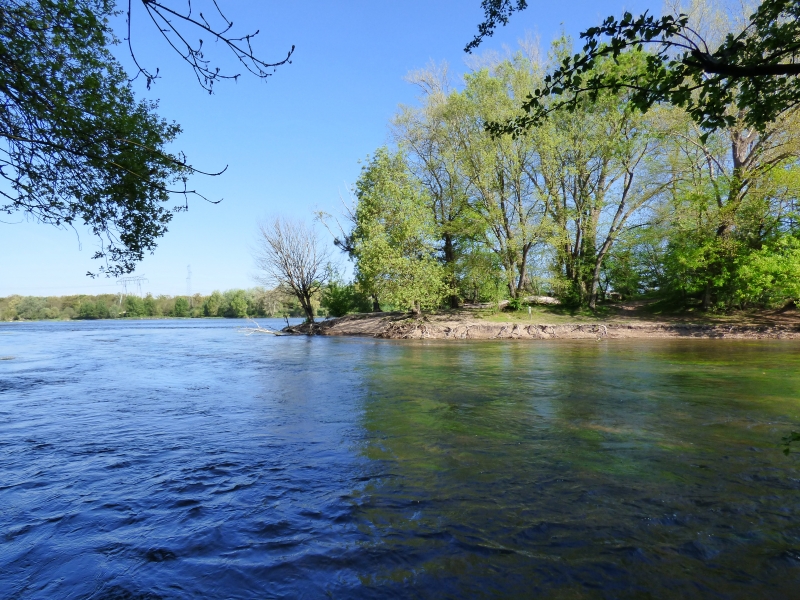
x=622 y=323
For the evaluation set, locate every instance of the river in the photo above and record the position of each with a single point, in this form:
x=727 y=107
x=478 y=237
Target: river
x=184 y=459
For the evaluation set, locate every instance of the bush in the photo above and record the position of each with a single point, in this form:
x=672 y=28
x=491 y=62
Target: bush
x=213 y=304
x=337 y=299
x=769 y=276
x=134 y=307
x=181 y=308
x=237 y=304
x=515 y=304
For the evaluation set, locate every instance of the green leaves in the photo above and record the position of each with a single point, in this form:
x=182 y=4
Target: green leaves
x=75 y=145
x=755 y=70
x=394 y=236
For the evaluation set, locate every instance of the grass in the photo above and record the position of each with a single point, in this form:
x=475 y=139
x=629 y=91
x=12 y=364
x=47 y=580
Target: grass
x=644 y=312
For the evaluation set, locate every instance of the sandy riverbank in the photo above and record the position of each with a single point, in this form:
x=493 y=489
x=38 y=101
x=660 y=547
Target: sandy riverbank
x=466 y=326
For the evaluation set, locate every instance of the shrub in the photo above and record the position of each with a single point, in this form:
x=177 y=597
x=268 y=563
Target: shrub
x=181 y=308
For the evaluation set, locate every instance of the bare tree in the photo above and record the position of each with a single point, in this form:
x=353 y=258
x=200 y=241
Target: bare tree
x=289 y=255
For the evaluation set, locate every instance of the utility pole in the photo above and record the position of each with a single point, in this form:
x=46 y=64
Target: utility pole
x=135 y=282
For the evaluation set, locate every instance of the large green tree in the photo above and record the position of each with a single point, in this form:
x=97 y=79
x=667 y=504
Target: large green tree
x=428 y=135
x=76 y=147
x=394 y=238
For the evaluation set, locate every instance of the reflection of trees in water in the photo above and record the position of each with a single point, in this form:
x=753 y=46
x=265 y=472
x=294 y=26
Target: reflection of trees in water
x=570 y=461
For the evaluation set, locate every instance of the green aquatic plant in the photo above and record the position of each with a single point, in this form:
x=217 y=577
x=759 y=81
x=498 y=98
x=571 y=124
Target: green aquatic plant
x=787 y=441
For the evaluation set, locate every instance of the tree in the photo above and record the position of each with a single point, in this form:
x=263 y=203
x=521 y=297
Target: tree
x=495 y=12
x=181 y=307
x=151 y=309
x=733 y=211
x=507 y=215
x=76 y=147
x=394 y=236
x=237 y=304
x=597 y=168
x=213 y=304
x=428 y=138
x=755 y=69
x=290 y=255
x=134 y=307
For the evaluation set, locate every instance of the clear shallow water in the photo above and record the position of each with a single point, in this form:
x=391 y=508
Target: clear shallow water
x=182 y=459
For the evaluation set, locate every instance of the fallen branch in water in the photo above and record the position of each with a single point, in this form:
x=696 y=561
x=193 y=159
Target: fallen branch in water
x=259 y=329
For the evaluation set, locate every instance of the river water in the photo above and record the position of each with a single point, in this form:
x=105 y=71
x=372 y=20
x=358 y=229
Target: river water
x=184 y=459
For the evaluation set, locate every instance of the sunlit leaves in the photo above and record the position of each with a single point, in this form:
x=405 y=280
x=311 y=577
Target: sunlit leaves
x=755 y=70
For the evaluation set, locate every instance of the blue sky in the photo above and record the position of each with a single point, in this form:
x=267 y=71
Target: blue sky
x=291 y=145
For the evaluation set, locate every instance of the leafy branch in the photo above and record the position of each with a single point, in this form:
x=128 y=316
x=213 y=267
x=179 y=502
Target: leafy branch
x=754 y=71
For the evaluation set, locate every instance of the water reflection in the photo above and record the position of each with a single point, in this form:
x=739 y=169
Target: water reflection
x=582 y=470
x=182 y=459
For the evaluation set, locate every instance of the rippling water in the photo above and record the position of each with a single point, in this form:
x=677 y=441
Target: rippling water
x=183 y=459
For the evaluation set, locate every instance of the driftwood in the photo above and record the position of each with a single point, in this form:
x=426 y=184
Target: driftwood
x=259 y=329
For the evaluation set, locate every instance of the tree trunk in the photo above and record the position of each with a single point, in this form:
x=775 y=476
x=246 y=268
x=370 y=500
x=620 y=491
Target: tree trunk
x=450 y=260
x=376 y=307
x=598 y=265
x=593 y=292
x=305 y=302
x=523 y=282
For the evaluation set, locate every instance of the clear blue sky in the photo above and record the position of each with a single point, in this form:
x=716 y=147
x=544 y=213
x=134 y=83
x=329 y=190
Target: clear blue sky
x=292 y=145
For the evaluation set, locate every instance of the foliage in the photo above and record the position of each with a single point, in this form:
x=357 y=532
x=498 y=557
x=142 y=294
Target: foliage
x=237 y=304
x=394 y=236
x=769 y=276
x=594 y=203
x=256 y=302
x=94 y=310
x=339 y=298
x=134 y=307
x=515 y=304
x=213 y=304
x=563 y=192
x=754 y=70
x=181 y=307
x=75 y=145
x=496 y=12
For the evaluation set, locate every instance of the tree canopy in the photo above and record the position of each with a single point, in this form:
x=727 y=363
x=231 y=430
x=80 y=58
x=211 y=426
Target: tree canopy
x=752 y=76
x=76 y=146
x=598 y=202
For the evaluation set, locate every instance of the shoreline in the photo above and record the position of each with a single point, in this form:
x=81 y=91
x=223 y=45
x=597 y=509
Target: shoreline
x=402 y=326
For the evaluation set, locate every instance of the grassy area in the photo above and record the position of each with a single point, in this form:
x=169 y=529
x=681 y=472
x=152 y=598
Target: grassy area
x=541 y=314
x=625 y=312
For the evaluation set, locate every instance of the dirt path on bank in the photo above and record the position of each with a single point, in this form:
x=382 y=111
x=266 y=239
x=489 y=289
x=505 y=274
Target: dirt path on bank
x=626 y=323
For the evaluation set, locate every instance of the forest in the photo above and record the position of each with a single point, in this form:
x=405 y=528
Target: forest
x=237 y=304
x=596 y=202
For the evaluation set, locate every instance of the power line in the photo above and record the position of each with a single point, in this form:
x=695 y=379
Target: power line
x=135 y=282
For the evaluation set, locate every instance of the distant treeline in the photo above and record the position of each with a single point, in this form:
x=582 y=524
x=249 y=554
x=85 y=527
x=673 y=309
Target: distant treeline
x=237 y=304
